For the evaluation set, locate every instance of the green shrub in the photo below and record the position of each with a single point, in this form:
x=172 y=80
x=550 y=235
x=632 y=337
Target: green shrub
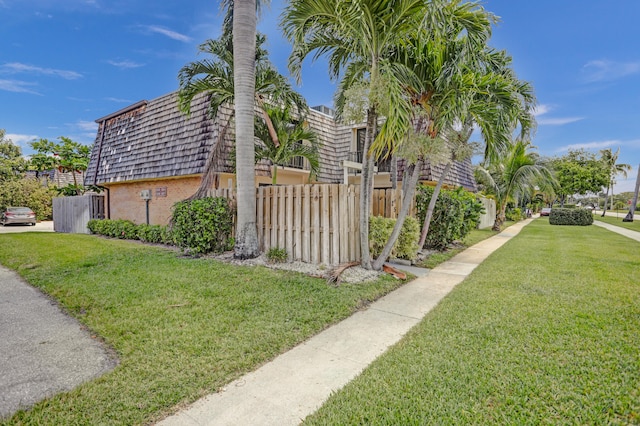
x=406 y=246
x=514 y=215
x=203 y=225
x=574 y=216
x=125 y=229
x=28 y=192
x=277 y=255
x=456 y=213
x=151 y=233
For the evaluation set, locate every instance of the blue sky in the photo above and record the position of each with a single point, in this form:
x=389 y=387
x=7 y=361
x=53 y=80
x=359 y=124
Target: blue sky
x=66 y=63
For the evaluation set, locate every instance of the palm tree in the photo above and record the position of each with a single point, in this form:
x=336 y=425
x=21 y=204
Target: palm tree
x=290 y=136
x=213 y=76
x=460 y=80
x=609 y=158
x=361 y=40
x=512 y=176
x=486 y=93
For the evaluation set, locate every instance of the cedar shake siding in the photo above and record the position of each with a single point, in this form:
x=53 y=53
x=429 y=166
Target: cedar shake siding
x=152 y=141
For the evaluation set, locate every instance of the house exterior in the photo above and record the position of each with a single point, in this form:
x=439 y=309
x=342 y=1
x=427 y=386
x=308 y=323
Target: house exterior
x=150 y=155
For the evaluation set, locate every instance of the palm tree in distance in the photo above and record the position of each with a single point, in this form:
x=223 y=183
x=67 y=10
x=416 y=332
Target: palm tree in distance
x=613 y=169
x=290 y=136
x=510 y=177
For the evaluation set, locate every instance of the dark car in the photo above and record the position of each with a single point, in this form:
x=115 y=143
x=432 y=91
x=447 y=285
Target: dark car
x=545 y=211
x=22 y=215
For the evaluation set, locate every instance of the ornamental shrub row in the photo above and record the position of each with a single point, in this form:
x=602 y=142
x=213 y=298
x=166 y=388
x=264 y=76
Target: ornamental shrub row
x=197 y=226
x=125 y=229
x=574 y=216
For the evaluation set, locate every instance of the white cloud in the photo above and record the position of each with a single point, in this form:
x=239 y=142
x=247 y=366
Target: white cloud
x=87 y=125
x=167 y=32
x=119 y=100
x=590 y=145
x=21 y=140
x=17 y=86
x=542 y=109
x=126 y=64
x=558 y=121
x=16 y=67
x=605 y=70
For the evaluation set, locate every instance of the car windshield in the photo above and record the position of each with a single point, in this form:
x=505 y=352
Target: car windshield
x=19 y=210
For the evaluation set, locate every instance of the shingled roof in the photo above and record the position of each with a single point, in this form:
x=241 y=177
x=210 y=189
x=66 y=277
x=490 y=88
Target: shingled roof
x=153 y=140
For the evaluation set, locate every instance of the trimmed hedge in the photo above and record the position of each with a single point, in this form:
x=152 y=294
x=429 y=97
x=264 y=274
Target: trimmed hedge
x=203 y=225
x=570 y=216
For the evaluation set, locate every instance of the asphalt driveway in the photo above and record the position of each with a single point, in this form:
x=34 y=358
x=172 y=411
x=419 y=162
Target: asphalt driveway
x=44 y=226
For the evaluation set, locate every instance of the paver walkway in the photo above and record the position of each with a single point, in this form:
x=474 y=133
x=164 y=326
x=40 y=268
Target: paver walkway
x=295 y=384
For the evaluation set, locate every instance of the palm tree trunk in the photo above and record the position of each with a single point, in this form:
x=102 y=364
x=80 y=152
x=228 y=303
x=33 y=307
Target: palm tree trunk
x=606 y=201
x=366 y=189
x=394 y=172
x=432 y=205
x=500 y=217
x=634 y=203
x=244 y=48
x=409 y=191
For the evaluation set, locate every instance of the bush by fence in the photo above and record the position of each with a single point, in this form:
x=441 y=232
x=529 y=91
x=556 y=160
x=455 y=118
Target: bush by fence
x=572 y=216
x=455 y=215
x=406 y=246
x=203 y=225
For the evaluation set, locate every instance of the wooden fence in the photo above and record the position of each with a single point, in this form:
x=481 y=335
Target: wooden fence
x=317 y=223
x=71 y=214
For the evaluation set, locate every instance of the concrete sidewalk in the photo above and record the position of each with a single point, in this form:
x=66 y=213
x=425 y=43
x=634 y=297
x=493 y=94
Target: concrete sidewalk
x=295 y=384
x=635 y=235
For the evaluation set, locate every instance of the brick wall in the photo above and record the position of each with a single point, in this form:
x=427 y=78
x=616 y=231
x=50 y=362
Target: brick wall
x=126 y=203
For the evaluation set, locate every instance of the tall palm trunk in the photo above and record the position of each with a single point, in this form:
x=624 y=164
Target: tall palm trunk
x=634 y=202
x=366 y=188
x=409 y=191
x=244 y=47
x=432 y=205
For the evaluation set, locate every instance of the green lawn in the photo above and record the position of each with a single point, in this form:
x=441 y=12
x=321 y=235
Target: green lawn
x=545 y=331
x=634 y=226
x=182 y=327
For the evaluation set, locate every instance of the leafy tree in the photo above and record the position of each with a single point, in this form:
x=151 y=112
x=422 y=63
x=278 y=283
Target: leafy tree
x=610 y=160
x=67 y=156
x=510 y=177
x=30 y=193
x=12 y=164
x=290 y=136
x=579 y=172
